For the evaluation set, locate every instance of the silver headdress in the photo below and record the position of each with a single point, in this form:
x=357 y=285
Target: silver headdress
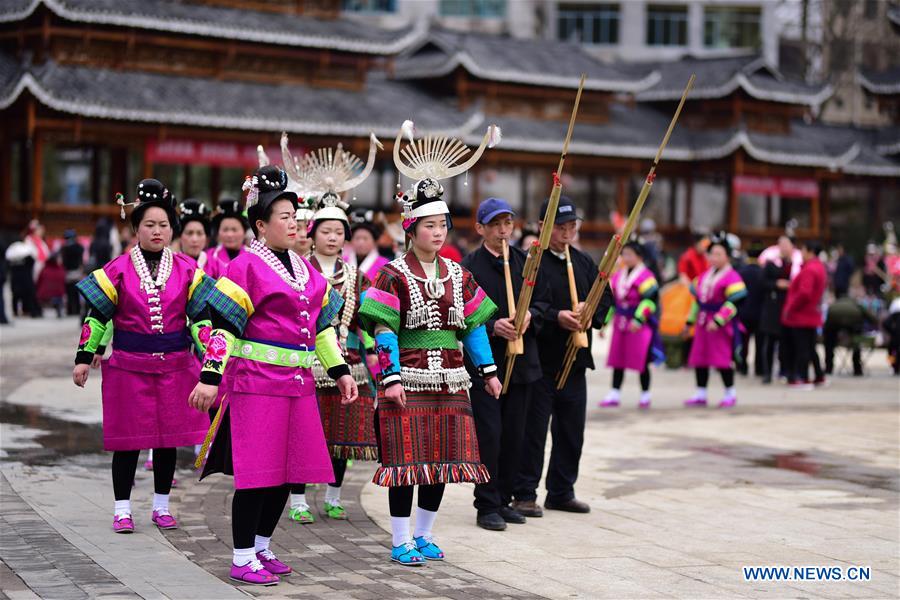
x=326 y=173
x=428 y=160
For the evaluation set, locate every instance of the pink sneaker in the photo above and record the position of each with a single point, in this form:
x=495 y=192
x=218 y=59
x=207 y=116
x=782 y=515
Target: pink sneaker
x=148 y=466
x=164 y=520
x=254 y=574
x=609 y=403
x=728 y=402
x=695 y=401
x=644 y=404
x=271 y=563
x=174 y=483
x=123 y=524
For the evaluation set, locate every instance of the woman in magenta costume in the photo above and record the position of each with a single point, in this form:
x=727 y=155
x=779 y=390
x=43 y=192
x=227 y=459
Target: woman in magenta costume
x=717 y=335
x=230 y=227
x=636 y=341
x=419 y=308
x=271 y=314
x=148 y=295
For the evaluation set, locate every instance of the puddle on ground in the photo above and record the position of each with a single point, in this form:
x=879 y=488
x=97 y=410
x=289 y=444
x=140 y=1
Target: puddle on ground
x=821 y=466
x=55 y=440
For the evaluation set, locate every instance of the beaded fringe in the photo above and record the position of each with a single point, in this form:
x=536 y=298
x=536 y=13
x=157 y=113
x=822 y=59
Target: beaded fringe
x=421 y=380
x=354 y=452
x=431 y=473
x=358 y=371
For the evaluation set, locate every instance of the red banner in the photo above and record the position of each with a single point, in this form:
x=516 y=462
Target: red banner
x=199 y=152
x=786 y=187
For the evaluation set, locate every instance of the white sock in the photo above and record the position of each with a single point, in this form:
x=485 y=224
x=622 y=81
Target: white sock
x=197 y=449
x=262 y=543
x=424 y=522
x=123 y=508
x=400 y=530
x=332 y=495
x=299 y=501
x=614 y=394
x=700 y=393
x=161 y=502
x=150 y=454
x=730 y=392
x=645 y=396
x=242 y=556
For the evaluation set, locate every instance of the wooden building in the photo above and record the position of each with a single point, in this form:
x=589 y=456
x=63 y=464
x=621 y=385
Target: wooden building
x=95 y=95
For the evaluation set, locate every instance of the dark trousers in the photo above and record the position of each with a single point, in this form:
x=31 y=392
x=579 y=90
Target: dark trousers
x=3 y=318
x=803 y=348
x=565 y=412
x=766 y=346
x=500 y=426
x=73 y=299
x=831 y=333
x=743 y=365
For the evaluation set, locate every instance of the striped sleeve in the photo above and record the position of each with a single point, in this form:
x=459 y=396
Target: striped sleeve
x=332 y=301
x=478 y=307
x=381 y=304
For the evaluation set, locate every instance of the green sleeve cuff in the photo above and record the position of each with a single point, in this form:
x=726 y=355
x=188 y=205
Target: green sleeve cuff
x=201 y=331
x=328 y=351
x=92 y=332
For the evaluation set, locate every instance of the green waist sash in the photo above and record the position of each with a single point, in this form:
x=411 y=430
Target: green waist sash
x=273 y=355
x=421 y=338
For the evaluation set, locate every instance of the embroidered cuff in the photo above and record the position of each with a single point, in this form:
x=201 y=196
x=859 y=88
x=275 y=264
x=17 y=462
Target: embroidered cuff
x=389 y=380
x=217 y=353
x=91 y=335
x=100 y=351
x=720 y=321
x=201 y=331
x=388 y=350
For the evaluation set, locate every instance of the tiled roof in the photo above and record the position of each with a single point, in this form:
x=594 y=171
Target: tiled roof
x=500 y=58
x=229 y=23
x=880 y=82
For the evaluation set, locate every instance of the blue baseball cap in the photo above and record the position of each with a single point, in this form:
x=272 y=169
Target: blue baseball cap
x=492 y=207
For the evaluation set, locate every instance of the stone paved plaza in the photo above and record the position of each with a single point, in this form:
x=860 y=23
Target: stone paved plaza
x=681 y=501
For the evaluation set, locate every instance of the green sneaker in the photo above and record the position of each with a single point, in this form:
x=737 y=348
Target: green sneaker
x=335 y=511
x=301 y=515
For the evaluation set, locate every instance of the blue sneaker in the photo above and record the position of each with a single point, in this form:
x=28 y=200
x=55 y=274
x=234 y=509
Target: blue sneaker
x=407 y=555
x=428 y=548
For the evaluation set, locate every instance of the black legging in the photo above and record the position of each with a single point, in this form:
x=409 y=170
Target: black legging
x=340 y=467
x=619 y=375
x=703 y=377
x=256 y=511
x=124 y=465
x=400 y=498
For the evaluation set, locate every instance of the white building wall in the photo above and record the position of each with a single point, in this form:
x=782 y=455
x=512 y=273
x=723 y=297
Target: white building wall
x=538 y=19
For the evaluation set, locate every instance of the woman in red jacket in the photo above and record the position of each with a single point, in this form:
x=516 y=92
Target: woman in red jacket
x=802 y=315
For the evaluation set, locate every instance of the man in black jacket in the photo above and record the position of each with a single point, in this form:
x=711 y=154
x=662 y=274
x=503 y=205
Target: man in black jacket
x=500 y=425
x=562 y=410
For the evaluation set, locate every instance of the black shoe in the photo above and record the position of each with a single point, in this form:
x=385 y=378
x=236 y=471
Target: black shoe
x=528 y=508
x=510 y=515
x=767 y=380
x=573 y=506
x=491 y=522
